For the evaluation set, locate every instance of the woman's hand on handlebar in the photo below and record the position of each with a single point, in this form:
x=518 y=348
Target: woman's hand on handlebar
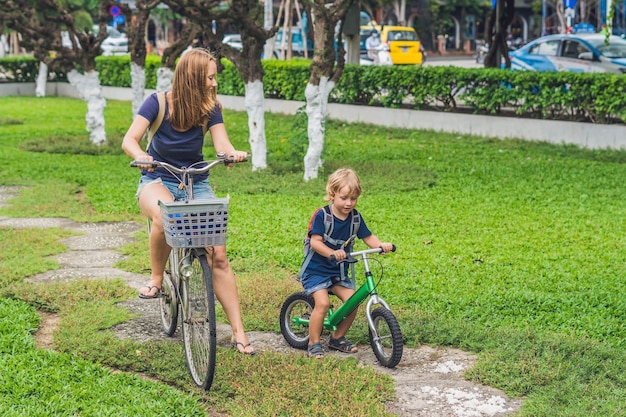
x=238 y=156
x=145 y=158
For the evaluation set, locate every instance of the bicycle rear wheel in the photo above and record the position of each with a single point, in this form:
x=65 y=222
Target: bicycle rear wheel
x=168 y=302
x=198 y=307
x=386 y=341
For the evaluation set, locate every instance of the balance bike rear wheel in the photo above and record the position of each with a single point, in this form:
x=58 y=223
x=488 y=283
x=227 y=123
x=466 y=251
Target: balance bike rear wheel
x=297 y=306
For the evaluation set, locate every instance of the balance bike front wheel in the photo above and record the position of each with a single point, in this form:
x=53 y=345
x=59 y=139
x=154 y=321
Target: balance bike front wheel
x=386 y=341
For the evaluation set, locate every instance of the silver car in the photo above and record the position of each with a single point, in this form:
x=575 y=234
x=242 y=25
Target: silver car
x=584 y=52
x=115 y=45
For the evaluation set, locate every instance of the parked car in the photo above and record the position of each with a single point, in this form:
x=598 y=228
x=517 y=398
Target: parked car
x=115 y=45
x=403 y=43
x=583 y=52
x=297 y=44
x=233 y=40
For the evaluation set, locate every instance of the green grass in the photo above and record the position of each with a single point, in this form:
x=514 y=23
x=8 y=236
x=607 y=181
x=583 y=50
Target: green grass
x=510 y=249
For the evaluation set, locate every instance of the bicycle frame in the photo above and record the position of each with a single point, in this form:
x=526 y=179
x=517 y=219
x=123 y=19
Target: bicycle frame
x=188 y=287
x=385 y=334
x=187 y=180
x=187 y=173
x=368 y=289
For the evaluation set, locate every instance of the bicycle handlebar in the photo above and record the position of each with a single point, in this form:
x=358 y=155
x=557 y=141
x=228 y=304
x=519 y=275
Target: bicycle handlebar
x=221 y=159
x=351 y=256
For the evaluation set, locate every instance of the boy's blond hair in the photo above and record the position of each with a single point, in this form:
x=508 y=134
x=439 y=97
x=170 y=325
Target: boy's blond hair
x=343 y=177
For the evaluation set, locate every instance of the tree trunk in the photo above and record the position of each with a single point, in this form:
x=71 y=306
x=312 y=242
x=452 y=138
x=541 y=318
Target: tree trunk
x=244 y=16
x=165 y=77
x=560 y=13
x=138 y=85
x=326 y=69
x=500 y=19
x=136 y=22
x=399 y=7
x=4 y=46
x=42 y=79
x=89 y=89
x=255 y=107
x=582 y=5
x=316 y=110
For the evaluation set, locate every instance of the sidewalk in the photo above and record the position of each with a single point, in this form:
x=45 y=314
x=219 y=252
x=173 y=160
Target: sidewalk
x=586 y=135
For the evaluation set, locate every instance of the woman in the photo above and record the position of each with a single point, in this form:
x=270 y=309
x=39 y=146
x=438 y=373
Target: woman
x=191 y=107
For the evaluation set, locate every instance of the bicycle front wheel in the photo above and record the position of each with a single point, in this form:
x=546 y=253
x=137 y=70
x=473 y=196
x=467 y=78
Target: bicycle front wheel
x=386 y=338
x=198 y=307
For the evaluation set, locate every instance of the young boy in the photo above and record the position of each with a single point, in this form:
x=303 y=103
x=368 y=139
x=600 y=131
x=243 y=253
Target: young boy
x=318 y=274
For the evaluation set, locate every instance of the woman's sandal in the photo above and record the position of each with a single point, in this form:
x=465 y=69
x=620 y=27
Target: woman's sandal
x=342 y=344
x=315 y=350
x=149 y=294
x=243 y=348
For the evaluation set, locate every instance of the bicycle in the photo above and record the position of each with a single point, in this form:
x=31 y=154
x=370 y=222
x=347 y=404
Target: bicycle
x=190 y=226
x=385 y=334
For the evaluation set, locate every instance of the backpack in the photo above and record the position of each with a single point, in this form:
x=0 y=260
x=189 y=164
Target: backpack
x=154 y=126
x=328 y=231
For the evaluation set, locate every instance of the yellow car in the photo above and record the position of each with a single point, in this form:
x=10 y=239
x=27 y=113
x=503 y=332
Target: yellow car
x=403 y=43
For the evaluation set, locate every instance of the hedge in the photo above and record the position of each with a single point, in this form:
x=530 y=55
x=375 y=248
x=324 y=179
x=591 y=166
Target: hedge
x=587 y=97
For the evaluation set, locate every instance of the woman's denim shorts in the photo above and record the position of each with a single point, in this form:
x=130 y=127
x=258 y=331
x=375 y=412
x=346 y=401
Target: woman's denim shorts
x=201 y=189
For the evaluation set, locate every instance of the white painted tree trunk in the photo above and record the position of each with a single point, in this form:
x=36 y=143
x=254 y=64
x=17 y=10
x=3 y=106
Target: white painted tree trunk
x=89 y=89
x=317 y=111
x=255 y=107
x=399 y=7
x=42 y=79
x=165 y=77
x=4 y=46
x=138 y=85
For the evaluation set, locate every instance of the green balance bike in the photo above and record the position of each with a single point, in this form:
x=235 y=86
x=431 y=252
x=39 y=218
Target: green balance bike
x=384 y=331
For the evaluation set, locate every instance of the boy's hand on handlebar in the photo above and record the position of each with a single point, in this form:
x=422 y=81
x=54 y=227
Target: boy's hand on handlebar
x=386 y=247
x=339 y=255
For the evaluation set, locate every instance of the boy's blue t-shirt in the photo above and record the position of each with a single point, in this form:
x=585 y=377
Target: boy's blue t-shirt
x=320 y=265
x=181 y=149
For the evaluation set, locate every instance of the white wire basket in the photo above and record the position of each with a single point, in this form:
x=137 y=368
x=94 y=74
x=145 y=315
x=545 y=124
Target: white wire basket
x=196 y=223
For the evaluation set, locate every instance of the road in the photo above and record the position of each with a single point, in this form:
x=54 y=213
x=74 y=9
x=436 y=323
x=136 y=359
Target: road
x=465 y=61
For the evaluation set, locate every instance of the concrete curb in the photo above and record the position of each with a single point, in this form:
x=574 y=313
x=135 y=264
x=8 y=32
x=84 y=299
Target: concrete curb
x=586 y=135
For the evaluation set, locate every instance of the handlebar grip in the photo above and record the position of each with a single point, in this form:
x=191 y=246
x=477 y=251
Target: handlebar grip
x=350 y=258
x=135 y=164
x=230 y=160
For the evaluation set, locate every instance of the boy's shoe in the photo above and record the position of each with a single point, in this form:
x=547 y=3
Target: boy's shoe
x=343 y=345
x=315 y=351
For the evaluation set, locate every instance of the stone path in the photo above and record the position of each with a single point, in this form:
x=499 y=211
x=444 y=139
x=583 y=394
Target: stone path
x=429 y=380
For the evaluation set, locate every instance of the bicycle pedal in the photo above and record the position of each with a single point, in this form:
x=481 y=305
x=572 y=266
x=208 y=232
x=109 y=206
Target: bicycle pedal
x=196 y=320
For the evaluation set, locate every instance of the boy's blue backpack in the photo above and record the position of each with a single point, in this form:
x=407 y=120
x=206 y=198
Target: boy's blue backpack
x=328 y=231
